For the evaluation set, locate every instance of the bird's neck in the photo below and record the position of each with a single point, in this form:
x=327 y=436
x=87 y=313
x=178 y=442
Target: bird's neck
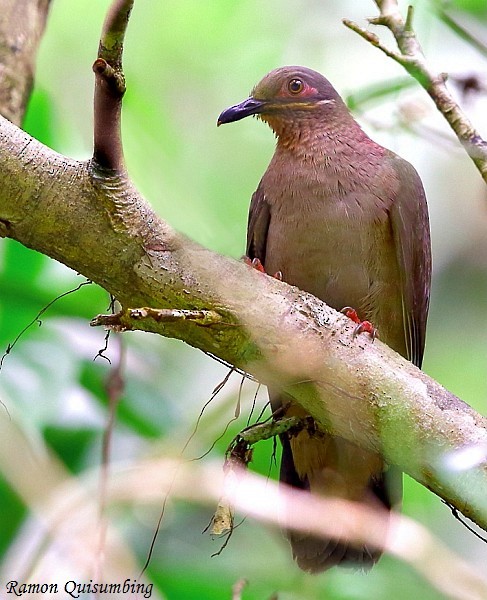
x=315 y=138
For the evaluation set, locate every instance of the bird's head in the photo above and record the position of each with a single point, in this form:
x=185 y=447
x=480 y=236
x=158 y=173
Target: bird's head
x=288 y=95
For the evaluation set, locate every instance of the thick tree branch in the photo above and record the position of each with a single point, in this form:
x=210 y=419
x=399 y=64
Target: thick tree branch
x=101 y=227
x=411 y=57
x=92 y=219
x=21 y=27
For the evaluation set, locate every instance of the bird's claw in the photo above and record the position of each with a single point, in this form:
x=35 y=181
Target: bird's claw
x=366 y=327
x=254 y=263
x=362 y=326
x=258 y=266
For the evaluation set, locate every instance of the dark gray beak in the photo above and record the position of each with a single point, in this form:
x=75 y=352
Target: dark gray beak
x=251 y=106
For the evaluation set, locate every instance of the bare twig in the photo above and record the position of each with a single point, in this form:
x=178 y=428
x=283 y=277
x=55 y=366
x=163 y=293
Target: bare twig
x=155 y=535
x=37 y=319
x=238 y=456
x=110 y=88
x=411 y=57
x=129 y=320
x=114 y=389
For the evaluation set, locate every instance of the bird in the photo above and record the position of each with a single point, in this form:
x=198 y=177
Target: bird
x=345 y=219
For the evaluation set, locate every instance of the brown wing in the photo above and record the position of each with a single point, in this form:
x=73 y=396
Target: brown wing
x=258 y=225
x=410 y=226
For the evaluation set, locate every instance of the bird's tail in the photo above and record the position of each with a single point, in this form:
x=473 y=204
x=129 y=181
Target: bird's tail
x=333 y=467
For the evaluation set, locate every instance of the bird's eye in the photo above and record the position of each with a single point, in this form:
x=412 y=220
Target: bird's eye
x=295 y=86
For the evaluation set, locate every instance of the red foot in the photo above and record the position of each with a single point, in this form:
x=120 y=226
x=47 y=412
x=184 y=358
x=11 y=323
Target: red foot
x=256 y=264
x=362 y=326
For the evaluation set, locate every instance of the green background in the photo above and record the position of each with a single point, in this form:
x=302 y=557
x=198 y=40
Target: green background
x=185 y=61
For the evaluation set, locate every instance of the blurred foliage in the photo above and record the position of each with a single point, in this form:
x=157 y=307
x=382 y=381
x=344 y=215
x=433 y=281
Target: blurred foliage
x=476 y=7
x=185 y=61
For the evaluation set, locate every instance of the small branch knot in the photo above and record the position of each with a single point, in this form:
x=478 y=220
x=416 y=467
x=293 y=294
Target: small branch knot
x=113 y=77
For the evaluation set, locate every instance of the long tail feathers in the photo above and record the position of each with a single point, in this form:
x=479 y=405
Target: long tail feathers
x=316 y=554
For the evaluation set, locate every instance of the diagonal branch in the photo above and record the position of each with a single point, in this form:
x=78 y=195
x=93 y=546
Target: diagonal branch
x=411 y=57
x=359 y=390
x=95 y=221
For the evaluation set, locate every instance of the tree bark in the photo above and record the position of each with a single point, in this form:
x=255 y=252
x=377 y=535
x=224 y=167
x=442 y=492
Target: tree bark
x=22 y=24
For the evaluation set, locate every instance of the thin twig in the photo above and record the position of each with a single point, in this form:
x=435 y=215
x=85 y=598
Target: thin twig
x=114 y=389
x=37 y=319
x=411 y=57
x=155 y=535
